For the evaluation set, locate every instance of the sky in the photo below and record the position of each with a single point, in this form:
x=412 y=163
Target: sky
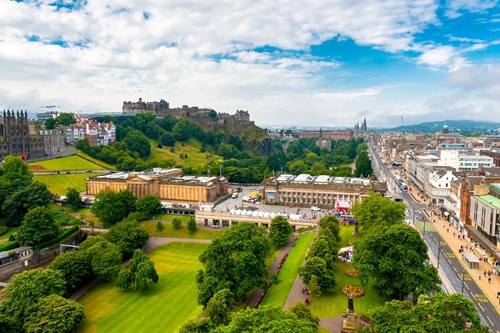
x=328 y=63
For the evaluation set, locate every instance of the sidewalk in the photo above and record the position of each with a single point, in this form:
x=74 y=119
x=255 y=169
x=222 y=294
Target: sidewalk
x=450 y=236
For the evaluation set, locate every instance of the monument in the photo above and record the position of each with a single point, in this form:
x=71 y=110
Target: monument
x=350 y=323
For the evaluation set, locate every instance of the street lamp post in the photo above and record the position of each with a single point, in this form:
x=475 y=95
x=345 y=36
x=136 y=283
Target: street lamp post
x=463 y=282
x=439 y=255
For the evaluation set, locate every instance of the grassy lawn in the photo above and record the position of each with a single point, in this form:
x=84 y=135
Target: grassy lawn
x=335 y=303
x=58 y=184
x=4 y=239
x=95 y=160
x=278 y=293
x=183 y=232
x=65 y=163
x=195 y=158
x=164 y=308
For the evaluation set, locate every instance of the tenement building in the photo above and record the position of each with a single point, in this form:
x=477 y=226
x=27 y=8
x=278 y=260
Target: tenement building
x=168 y=184
x=324 y=191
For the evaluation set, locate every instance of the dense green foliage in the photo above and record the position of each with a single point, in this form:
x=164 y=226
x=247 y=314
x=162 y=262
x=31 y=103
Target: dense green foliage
x=75 y=268
x=25 y=290
x=54 y=314
x=37 y=227
x=319 y=266
x=363 y=162
x=111 y=207
x=234 y=261
x=377 y=211
x=104 y=256
x=142 y=274
x=438 y=313
x=128 y=236
x=396 y=258
x=148 y=204
x=269 y=319
x=73 y=198
x=280 y=231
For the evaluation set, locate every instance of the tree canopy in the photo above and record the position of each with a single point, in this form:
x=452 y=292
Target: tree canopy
x=111 y=207
x=148 y=204
x=378 y=211
x=54 y=314
x=26 y=289
x=280 y=231
x=438 y=313
x=396 y=258
x=269 y=319
x=105 y=257
x=142 y=274
x=37 y=227
x=128 y=236
x=234 y=261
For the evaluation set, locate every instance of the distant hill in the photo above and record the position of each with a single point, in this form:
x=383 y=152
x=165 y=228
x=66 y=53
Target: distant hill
x=453 y=125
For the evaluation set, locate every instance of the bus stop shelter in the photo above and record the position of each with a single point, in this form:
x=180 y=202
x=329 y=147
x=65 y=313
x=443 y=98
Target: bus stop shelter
x=471 y=260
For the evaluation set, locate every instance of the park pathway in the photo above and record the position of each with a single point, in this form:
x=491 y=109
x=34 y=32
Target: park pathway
x=152 y=244
x=257 y=294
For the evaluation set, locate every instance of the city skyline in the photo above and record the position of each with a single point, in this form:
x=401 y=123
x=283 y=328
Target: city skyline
x=328 y=64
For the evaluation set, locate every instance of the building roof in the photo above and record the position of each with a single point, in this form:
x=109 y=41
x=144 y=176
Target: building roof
x=489 y=200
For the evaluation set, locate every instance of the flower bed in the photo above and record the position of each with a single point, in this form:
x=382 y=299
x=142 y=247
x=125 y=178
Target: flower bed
x=353 y=290
x=351 y=272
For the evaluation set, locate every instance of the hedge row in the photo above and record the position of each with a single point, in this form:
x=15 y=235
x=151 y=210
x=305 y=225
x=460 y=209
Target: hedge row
x=69 y=232
x=9 y=246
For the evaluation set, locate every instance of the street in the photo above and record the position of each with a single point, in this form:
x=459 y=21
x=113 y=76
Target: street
x=457 y=278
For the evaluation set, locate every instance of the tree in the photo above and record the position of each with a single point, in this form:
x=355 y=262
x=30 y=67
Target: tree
x=176 y=223
x=65 y=119
x=26 y=289
x=304 y=312
x=191 y=224
x=280 y=231
x=219 y=307
x=181 y=130
x=111 y=207
x=38 y=226
x=167 y=139
x=269 y=319
x=75 y=268
x=317 y=266
x=14 y=167
x=142 y=273
x=25 y=199
x=438 y=313
x=105 y=257
x=396 y=258
x=54 y=313
x=378 y=211
x=203 y=325
x=236 y=261
x=74 y=199
x=128 y=236
x=148 y=204
x=50 y=123
x=137 y=142
x=314 y=288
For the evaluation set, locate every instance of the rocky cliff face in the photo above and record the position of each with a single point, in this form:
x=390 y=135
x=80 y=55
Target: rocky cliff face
x=255 y=138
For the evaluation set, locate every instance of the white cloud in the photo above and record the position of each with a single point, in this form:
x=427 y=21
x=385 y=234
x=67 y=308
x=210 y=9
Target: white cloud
x=204 y=53
x=455 y=7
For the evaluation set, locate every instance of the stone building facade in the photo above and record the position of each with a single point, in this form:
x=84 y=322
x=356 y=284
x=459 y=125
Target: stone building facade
x=168 y=184
x=325 y=191
x=18 y=136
